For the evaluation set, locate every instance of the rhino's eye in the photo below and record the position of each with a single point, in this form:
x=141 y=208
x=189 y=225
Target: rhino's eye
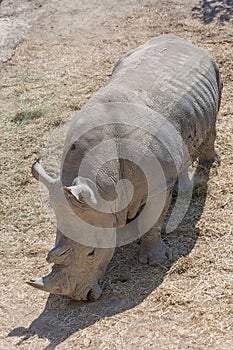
x=91 y=253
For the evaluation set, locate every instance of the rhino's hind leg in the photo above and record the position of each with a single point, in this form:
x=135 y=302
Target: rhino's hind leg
x=153 y=250
x=208 y=156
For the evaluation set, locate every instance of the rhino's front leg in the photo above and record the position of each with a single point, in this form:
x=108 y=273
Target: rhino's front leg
x=153 y=250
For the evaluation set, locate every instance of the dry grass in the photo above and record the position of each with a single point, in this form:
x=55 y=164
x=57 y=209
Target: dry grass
x=186 y=306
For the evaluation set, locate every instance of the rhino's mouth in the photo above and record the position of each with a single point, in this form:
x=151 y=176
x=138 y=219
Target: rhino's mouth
x=94 y=293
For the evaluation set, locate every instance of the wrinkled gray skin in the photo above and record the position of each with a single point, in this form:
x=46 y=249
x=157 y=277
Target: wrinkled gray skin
x=176 y=80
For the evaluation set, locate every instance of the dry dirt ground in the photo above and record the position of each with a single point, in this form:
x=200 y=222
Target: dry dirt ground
x=54 y=55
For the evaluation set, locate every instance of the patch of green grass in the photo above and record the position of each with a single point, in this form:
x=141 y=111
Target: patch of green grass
x=2 y=244
x=200 y=190
x=30 y=77
x=24 y=117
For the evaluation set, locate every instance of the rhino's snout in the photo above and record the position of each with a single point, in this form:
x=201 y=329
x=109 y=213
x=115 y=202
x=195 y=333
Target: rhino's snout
x=44 y=284
x=66 y=277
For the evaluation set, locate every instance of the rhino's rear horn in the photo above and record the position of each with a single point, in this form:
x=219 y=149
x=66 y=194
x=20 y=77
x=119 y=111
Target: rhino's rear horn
x=40 y=174
x=61 y=254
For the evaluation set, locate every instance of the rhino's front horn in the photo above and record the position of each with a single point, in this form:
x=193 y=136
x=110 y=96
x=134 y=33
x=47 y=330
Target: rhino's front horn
x=38 y=283
x=56 y=282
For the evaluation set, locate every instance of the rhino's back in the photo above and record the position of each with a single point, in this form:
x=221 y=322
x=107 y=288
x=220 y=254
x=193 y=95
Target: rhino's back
x=172 y=77
x=167 y=74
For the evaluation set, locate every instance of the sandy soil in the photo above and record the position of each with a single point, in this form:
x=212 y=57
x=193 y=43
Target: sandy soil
x=54 y=54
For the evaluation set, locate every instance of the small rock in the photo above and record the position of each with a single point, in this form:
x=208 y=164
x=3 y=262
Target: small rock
x=87 y=342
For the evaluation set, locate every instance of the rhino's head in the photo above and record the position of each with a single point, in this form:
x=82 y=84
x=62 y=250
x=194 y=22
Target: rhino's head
x=77 y=267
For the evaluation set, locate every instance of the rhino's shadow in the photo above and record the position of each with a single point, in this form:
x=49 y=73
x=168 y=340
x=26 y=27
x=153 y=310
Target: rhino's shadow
x=127 y=283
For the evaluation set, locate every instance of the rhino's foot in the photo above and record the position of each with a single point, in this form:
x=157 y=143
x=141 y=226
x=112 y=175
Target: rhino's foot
x=154 y=252
x=210 y=163
x=209 y=158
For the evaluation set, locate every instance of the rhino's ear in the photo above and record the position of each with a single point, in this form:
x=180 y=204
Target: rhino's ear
x=81 y=194
x=40 y=174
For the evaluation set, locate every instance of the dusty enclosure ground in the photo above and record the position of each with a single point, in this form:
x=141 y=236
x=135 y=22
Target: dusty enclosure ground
x=54 y=55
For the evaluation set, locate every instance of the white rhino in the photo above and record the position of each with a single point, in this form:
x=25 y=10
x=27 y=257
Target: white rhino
x=156 y=113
